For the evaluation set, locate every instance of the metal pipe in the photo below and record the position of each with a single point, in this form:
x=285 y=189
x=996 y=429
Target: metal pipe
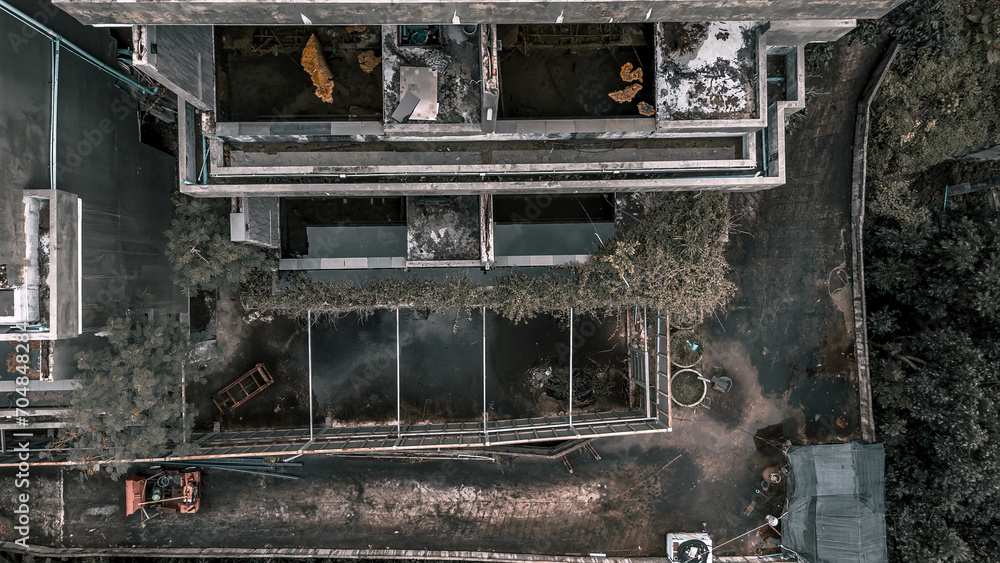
x=53 y=113
x=670 y=383
x=486 y=431
x=763 y=148
x=310 y=338
x=249 y=463
x=71 y=47
x=445 y=433
x=399 y=424
x=252 y=472
x=571 y=367
x=645 y=348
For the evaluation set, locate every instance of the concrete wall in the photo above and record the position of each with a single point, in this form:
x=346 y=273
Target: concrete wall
x=340 y=12
x=183 y=61
x=263 y=218
x=799 y=32
x=64 y=264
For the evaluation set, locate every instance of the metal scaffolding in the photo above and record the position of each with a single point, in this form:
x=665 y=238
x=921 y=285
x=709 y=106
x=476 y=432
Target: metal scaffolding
x=399 y=436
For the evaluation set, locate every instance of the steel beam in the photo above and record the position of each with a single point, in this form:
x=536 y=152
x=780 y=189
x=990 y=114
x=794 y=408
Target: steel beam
x=571 y=367
x=310 y=340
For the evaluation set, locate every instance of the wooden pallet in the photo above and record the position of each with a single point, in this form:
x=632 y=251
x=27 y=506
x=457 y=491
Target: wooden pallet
x=241 y=390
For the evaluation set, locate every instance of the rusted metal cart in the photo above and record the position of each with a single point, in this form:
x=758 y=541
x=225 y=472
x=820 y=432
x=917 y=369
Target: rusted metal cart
x=241 y=390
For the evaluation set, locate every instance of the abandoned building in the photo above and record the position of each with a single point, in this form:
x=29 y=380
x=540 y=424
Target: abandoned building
x=439 y=139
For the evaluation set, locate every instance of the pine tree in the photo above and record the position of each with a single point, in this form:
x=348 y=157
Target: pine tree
x=128 y=401
x=200 y=250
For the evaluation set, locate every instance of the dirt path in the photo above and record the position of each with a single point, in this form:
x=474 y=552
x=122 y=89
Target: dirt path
x=793 y=313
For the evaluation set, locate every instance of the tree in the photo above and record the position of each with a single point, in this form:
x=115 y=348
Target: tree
x=934 y=300
x=940 y=98
x=200 y=251
x=127 y=404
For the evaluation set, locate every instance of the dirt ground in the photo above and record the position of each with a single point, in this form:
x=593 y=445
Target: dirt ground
x=783 y=341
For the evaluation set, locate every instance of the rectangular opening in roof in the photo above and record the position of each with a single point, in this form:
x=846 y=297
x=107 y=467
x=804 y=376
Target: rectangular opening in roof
x=261 y=75
x=565 y=71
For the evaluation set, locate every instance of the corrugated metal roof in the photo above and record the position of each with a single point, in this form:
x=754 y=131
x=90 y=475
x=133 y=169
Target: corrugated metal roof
x=836 y=503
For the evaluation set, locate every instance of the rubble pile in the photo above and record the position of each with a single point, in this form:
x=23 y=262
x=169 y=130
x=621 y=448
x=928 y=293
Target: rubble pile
x=368 y=61
x=630 y=75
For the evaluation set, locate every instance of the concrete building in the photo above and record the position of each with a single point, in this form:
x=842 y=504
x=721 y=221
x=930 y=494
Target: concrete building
x=484 y=73
x=448 y=111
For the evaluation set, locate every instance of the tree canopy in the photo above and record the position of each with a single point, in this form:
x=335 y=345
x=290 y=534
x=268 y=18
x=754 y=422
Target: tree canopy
x=128 y=401
x=934 y=301
x=200 y=251
x=932 y=283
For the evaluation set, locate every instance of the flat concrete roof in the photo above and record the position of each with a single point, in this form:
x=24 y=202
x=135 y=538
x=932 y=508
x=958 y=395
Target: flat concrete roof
x=332 y=12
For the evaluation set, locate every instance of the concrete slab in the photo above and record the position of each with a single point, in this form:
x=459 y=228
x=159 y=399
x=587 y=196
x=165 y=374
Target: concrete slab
x=527 y=239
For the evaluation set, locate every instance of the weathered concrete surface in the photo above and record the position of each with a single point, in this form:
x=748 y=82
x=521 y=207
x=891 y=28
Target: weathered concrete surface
x=794 y=313
x=858 y=180
x=24 y=136
x=184 y=60
x=460 y=12
x=800 y=32
x=497 y=185
x=64 y=265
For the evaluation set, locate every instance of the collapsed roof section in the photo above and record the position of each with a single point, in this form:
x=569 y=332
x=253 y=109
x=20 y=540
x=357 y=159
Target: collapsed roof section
x=836 y=503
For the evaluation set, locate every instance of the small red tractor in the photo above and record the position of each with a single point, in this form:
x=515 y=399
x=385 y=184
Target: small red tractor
x=166 y=491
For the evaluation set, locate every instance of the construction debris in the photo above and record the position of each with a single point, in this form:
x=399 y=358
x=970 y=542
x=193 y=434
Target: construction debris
x=315 y=64
x=626 y=95
x=356 y=29
x=629 y=75
x=368 y=61
x=646 y=109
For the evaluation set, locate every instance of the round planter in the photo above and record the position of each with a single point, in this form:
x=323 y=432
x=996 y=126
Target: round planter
x=687 y=388
x=681 y=354
x=685 y=325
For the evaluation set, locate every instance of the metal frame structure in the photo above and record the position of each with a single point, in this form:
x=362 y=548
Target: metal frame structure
x=291 y=443
x=225 y=399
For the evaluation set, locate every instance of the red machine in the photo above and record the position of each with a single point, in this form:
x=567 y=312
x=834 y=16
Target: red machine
x=167 y=491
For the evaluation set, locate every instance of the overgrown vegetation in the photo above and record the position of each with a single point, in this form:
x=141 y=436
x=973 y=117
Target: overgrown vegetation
x=942 y=96
x=128 y=404
x=201 y=253
x=671 y=259
x=932 y=289
x=934 y=323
